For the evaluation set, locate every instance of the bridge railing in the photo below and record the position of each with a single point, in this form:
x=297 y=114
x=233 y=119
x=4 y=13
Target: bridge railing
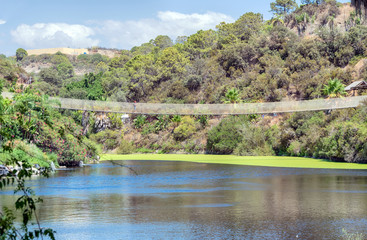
x=209 y=109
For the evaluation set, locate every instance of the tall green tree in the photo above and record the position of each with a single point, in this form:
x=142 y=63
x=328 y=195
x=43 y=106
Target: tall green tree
x=283 y=7
x=20 y=54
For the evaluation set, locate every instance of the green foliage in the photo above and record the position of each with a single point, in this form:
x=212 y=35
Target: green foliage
x=345 y=141
x=115 y=80
x=109 y=139
x=25 y=204
x=171 y=63
x=163 y=42
x=30 y=117
x=247 y=25
x=176 y=119
x=140 y=121
x=185 y=129
x=144 y=150
x=9 y=70
x=65 y=70
x=88 y=88
x=26 y=152
x=51 y=76
x=256 y=141
x=203 y=120
x=126 y=147
x=334 y=88
x=20 y=54
x=161 y=123
x=143 y=75
x=23 y=157
x=224 y=138
x=232 y=96
x=147 y=129
x=283 y=6
x=115 y=119
x=200 y=44
x=45 y=88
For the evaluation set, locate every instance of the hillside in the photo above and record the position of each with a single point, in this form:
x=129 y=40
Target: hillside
x=291 y=57
x=296 y=56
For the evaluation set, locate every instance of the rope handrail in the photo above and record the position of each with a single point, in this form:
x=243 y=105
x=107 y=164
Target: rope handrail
x=207 y=109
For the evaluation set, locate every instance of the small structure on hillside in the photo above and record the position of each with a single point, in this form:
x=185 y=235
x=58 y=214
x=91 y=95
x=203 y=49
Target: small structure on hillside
x=125 y=118
x=355 y=86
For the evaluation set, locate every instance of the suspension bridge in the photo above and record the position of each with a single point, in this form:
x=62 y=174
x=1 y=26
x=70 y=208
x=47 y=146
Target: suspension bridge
x=207 y=109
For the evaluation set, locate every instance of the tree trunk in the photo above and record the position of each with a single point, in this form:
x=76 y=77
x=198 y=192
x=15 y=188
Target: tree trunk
x=360 y=6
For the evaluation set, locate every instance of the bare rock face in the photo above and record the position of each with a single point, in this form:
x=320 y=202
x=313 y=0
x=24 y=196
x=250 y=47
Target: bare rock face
x=358 y=69
x=85 y=122
x=102 y=122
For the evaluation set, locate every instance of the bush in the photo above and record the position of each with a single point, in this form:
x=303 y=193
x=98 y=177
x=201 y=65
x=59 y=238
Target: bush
x=224 y=138
x=144 y=150
x=108 y=138
x=185 y=129
x=126 y=147
x=140 y=121
x=28 y=152
x=256 y=141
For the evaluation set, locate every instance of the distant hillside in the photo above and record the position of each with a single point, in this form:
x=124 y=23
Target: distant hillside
x=307 y=19
x=292 y=56
x=67 y=51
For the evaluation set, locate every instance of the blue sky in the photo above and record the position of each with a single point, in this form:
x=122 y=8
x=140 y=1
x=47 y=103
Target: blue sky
x=112 y=23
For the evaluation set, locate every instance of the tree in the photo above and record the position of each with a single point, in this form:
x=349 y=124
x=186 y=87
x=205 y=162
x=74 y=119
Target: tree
x=334 y=88
x=26 y=203
x=246 y=26
x=171 y=62
x=20 y=54
x=283 y=7
x=163 y=42
x=65 y=70
x=201 y=43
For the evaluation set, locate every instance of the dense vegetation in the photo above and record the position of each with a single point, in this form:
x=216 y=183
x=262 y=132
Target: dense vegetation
x=37 y=132
x=262 y=60
x=339 y=136
x=301 y=53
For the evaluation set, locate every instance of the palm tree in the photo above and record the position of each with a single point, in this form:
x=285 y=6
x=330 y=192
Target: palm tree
x=232 y=96
x=334 y=88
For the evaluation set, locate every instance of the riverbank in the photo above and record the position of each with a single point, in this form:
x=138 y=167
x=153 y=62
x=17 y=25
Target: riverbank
x=265 y=161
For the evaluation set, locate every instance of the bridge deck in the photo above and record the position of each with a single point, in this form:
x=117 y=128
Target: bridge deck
x=209 y=109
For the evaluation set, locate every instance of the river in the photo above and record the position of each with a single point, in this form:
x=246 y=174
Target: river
x=177 y=200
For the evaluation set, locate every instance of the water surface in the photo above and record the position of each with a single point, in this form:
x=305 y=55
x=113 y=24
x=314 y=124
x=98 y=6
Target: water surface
x=177 y=200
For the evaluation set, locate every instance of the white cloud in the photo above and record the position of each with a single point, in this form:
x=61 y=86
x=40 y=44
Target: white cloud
x=115 y=34
x=133 y=33
x=2 y=21
x=48 y=35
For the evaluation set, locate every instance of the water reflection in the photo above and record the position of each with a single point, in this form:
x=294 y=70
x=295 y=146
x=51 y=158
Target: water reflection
x=169 y=200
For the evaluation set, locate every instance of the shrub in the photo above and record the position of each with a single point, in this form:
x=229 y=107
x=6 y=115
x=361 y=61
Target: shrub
x=140 y=121
x=144 y=150
x=161 y=123
x=27 y=152
x=224 y=138
x=108 y=138
x=126 y=147
x=256 y=141
x=185 y=129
